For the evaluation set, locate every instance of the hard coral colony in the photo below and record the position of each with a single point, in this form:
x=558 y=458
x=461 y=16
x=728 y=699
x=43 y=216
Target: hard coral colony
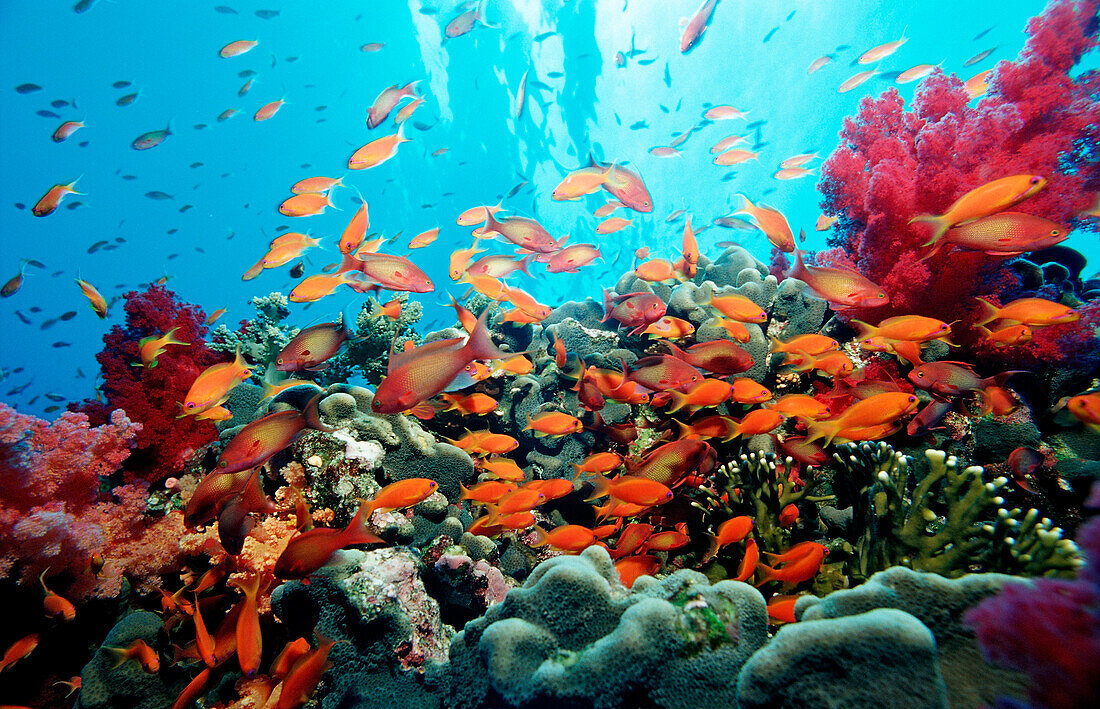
x=685 y=494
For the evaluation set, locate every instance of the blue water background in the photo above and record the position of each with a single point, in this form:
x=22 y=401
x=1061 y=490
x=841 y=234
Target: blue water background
x=169 y=50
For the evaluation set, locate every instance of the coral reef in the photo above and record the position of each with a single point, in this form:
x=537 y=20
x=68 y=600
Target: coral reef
x=574 y=635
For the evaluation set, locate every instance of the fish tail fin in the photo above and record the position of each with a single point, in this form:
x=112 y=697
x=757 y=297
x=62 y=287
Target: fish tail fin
x=935 y=250
x=734 y=431
x=118 y=655
x=865 y=330
x=491 y=224
x=312 y=414
x=683 y=429
x=765 y=573
x=410 y=88
x=815 y=430
x=358 y=529
x=798 y=270
x=602 y=487
x=523 y=262
x=607 y=308
x=171 y=335
x=939 y=226
x=989 y=313
x=538 y=535
x=480 y=345
x=679 y=401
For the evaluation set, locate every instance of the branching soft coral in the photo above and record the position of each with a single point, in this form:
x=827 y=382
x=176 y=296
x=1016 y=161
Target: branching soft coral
x=893 y=164
x=53 y=514
x=151 y=396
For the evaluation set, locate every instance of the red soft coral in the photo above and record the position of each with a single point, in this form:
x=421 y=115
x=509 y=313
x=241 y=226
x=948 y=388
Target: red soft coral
x=893 y=164
x=151 y=396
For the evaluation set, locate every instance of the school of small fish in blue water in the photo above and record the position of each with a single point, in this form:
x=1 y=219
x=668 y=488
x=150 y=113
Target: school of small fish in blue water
x=518 y=353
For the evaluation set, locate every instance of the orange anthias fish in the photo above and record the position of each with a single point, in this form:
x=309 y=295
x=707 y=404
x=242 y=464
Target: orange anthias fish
x=268 y=110
x=581 y=182
x=570 y=537
x=50 y=201
x=424 y=238
x=311 y=550
x=150 y=348
x=213 y=317
x=95 y=299
x=485 y=442
x=697 y=26
x=304 y=677
x=801 y=568
x=1036 y=312
x=670 y=328
x=878 y=410
x=737 y=307
x=356 y=230
x=626 y=186
x=249 y=637
x=313 y=288
x=770 y=221
x=1086 y=409
x=572 y=258
x=316 y=184
x=308 y=204
x=377 y=151
x=211 y=388
x=237 y=48
x=749 y=562
x=56 y=606
x=910 y=328
x=841 y=287
x=990 y=198
x=553 y=424
x=18 y=650
x=476 y=404
x=523 y=232
x=1003 y=234
x=138 y=651
x=881 y=51
x=391 y=272
x=311 y=348
x=733 y=530
x=633 y=567
x=259 y=440
x=387 y=101
x=631 y=488
x=425 y=371
x=66 y=129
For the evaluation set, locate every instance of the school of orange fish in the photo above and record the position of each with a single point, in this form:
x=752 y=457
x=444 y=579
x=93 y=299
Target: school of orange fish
x=678 y=376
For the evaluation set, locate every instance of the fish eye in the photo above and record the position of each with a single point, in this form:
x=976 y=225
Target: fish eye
x=881 y=296
x=190 y=404
x=920 y=375
x=222 y=463
x=1055 y=232
x=1035 y=180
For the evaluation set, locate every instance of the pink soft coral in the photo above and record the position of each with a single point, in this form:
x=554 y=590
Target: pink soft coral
x=152 y=396
x=53 y=513
x=893 y=164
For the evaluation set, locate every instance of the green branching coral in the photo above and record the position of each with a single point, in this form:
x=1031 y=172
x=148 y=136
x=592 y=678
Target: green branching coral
x=949 y=521
x=375 y=334
x=261 y=338
x=762 y=486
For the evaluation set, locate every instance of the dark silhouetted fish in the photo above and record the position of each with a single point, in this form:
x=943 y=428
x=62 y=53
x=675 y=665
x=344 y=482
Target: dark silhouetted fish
x=199 y=126
x=24 y=318
x=555 y=74
x=127 y=99
x=980 y=56
x=729 y=176
x=194 y=165
x=83 y=6
x=61 y=343
x=59 y=103
x=73 y=205
x=54 y=397
x=121 y=84
x=66 y=316
x=19 y=205
x=129 y=177
x=27 y=88
x=185 y=207
x=544 y=36
x=151 y=139
x=668 y=77
x=33 y=262
x=983 y=33
x=97 y=246
x=646 y=62
x=158 y=195
x=46 y=113
x=266 y=14
x=771 y=33
x=638 y=125
x=245 y=73
x=791 y=15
